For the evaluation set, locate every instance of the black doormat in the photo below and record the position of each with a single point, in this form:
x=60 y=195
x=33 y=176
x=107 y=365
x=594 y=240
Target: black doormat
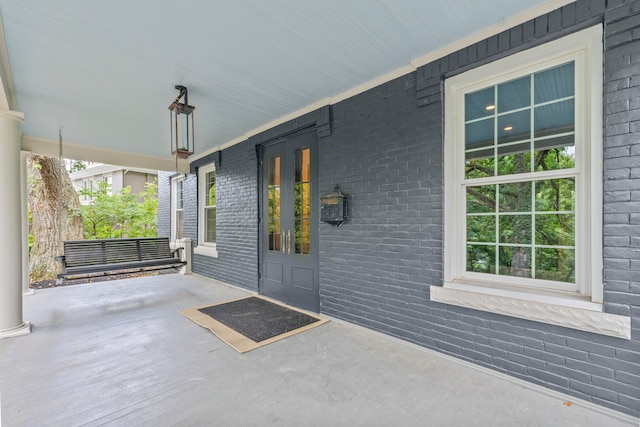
x=258 y=319
x=252 y=322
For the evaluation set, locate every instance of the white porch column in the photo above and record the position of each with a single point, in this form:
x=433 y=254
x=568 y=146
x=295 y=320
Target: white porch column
x=24 y=155
x=11 y=254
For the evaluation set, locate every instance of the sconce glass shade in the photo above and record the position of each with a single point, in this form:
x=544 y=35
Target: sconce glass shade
x=182 y=129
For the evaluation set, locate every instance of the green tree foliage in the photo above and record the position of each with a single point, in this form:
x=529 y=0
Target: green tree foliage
x=120 y=214
x=77 y=165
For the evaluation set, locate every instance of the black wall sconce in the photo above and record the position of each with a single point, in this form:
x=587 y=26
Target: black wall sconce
x=181 y=116
x=334 y=207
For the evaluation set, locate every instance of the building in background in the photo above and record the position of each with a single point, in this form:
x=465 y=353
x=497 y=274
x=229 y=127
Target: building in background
x=117 y=177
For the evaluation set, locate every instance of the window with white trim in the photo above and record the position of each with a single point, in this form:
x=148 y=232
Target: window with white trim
x=85 y=186
x=207 y=211
x=177 y=207
x=108 y=179
x=523 y=182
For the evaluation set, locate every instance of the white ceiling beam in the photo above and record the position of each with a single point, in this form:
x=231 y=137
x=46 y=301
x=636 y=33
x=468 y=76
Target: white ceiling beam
x=51 y=148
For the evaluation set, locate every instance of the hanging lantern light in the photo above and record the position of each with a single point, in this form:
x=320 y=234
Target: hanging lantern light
x=181 y=115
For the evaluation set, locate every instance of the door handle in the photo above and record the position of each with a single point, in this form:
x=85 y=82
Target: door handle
x=289 y=242
x=283 y=243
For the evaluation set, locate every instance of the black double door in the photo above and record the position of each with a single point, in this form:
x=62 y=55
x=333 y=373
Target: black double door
x=289 y=227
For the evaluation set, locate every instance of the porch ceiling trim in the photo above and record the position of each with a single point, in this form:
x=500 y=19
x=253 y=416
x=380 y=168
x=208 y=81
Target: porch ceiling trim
x=495 y=29
x=45 y=147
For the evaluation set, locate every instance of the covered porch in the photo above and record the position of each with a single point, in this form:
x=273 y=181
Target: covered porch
x=101 y=78
x=119 y=353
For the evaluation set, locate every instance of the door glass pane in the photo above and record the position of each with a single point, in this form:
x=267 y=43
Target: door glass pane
x=302 y=236
x=302 y=202
x=273 y=196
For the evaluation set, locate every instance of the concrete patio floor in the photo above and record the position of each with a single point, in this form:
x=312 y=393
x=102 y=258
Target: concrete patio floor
x=119 y=353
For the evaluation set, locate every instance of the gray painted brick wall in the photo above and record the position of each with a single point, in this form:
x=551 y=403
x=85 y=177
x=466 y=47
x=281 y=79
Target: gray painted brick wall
x=386 y=153
x=385 y=150
x=236 y=216
x=237 y=220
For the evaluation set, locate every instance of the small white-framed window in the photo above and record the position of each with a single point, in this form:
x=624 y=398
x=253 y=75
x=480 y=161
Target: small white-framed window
x=177 y=207
x=85 y=186
x=108 y=179
x=523 y=186
x=207 y=211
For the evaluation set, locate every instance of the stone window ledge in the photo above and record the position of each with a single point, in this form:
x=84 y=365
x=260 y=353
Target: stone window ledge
x=557 y=310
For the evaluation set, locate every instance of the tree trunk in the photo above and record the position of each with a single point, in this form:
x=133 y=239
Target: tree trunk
x=521 y=260
x=54 y=206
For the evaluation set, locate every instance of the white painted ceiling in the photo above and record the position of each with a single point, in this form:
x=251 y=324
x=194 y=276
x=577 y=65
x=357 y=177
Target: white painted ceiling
x=104 y=71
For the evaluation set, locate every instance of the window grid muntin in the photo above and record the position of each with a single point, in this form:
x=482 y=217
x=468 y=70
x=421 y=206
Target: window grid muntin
x=496 y=113
x=532 y=176
x=533 y=214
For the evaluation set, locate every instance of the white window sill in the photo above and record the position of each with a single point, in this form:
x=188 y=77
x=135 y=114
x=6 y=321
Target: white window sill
x=565 y=310
x=206 y=251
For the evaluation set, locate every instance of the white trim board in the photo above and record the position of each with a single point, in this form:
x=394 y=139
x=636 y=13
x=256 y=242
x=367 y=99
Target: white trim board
x=47 y=147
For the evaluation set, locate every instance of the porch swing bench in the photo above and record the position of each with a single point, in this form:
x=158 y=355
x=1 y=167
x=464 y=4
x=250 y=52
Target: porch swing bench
x=116 y=256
